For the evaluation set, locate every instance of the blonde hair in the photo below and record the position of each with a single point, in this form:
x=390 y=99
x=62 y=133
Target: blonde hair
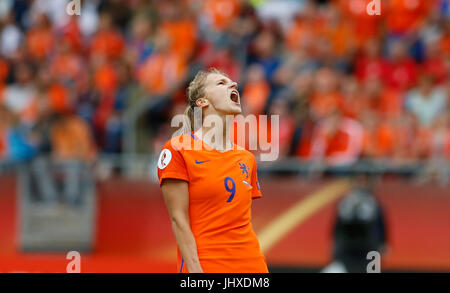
x=196 y=90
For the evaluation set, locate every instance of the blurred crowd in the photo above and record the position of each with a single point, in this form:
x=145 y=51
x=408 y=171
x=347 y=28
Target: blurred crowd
x=345 y=84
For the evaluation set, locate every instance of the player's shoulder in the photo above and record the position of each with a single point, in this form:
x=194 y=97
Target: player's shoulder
x=180 y=142
x=245 y=153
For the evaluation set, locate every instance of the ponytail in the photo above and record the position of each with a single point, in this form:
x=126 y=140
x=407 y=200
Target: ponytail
x=188 y=120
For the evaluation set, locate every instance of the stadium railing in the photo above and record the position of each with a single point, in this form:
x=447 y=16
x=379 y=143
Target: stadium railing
x=143 y=166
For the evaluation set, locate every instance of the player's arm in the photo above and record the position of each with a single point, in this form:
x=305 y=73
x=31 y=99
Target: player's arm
x=176 y=197
x=256 y=191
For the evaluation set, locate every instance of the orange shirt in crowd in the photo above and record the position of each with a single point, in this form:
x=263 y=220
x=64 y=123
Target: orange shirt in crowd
x=343 y=145
x=71 y=139
x=341 y=38
x=390 y=103
x=364 y=26
x=161 y=71
x=108 y=43
x=221 y=12
x=323 y=104
x=337 y=143
x=183 y=36
x=445 y=45
x=39 y=42
x=301 y=35
x=106 y=79
x=255 y=96
x=2 y=92
x=353 y=106
x=66 y=66
x=406 y=15
x=221 y=188
x=380 y=141
x=59 y=98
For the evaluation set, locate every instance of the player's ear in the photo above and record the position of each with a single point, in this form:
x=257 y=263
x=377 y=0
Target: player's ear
x=201 y=102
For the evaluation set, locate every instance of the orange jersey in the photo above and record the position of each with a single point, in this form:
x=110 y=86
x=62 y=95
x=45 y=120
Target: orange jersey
x=221 y=188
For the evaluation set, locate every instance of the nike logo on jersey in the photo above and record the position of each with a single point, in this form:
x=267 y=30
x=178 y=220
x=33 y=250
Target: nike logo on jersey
x=246 y=183
x=200 y=162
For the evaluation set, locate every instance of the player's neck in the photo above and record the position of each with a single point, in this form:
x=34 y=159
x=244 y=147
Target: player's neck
x=216 y=136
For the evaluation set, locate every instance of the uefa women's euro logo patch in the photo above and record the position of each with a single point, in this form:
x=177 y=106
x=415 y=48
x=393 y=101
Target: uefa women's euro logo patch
x=164 y=159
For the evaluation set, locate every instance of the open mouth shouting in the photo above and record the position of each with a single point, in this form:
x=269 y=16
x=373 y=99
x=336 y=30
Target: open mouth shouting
x=234 y=96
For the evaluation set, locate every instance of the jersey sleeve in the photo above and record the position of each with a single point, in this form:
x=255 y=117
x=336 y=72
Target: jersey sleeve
x=171 y=164
x=256 y=191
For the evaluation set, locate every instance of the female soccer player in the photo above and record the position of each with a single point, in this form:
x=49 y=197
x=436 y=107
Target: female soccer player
x=208 y=191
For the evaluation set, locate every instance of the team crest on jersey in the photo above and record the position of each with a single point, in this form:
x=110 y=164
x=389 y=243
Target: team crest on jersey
x=245 y=169
x=164 y=159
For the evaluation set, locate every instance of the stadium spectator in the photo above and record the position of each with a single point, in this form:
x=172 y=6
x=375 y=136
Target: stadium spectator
x=402 y=68
x=426 y=101
x=338 y=32
x=15 y=144
x=364 y=27
x=220 y=13
x=256 y=91
x=434 y=63
x=71 y=139
x=281 y=107
x=264 y=52
x=40 y=38
x=178 y=25
x=66 y=65
x=405 y=17
x=352 y=101
x=223 y=57
x=370 y=64
x=140 y=44
x=303 y=30
x=163 y=69
x=337 y=140
x=11 y=35
x=20 y=97
x=445 y=40
x=326 y=97
x=108 y=42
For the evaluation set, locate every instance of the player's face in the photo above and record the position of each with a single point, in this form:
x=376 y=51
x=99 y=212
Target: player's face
x=222 y=94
